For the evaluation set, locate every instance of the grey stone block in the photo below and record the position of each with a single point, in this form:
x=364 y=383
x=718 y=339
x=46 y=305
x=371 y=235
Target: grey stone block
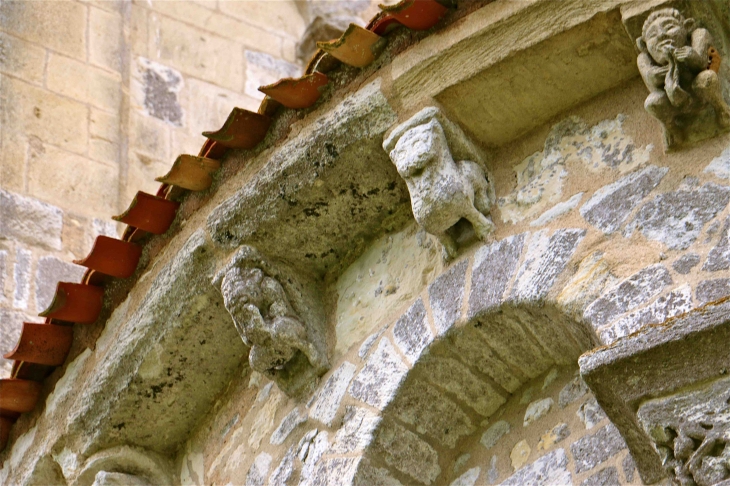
x=572 y=392
x=605 y=477
x=285 y=469
x=609 y=207
x=719 y=256
x=11 y=323
x=629 y=468
x=493 y=473
x=378 y=381
x=495 y=432
x=31 y=221
x=161 y=85
x=446 y=294
x=21 y=277
x=592 y=450
x=545 y=259
x=494 y=266
x=712 y=290
x=536 y=410
x=334 y=472
x=632 y=292
x=431 y=413
x=259 y=470
x=408 y=453
x=329 y=397
x=356 y=432
x=469 y=478
x=590 y=413
x=49 y=271
x=684 y=264
x=677 y=218
x=293 y=419
x=676 y=302
x=472 y=349
x=551 y=468
x=411 y=332
x=369 y=475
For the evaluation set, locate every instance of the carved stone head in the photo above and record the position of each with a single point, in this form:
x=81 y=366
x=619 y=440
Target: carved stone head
x=664 y=31
x=274 y=317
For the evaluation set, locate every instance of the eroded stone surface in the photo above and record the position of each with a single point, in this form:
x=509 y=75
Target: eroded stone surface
x=30 y=221
x=446 y=295
x=495 y=432
x=284 y=470
x=378 y=381
x=712 y=290
x=494 y=266
x=676 y=302
x=411 y=332
x=720 y=165
x=633 y=291
x=572 y=392
x=609 y=206
x=472 y=349
x=590 y=413
x=356 y=432
x=406 y=452
x=293 y=419
x=560 y=209
x=719 y=256
x=259 y=470
x=545 y=259
x=519 y=455
x=334 y=472
x=329 y=397
x=551 y=468
x=592 y=450
x=553 y=436
x=316 y=449
x=677 y=218
x=536 y=410
x=432 y=413
x=629 y=467
x=588 y=282
x=605 y=477
x=684 y=264
x=469 y=478
x=368 y=475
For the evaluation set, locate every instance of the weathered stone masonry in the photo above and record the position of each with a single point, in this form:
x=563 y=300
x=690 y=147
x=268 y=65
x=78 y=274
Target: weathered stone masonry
x=578 y=344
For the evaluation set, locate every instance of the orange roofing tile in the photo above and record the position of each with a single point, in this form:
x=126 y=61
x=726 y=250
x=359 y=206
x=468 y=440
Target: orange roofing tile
x=212 y=150
x=19 y=395
x=149 y=213
x=75 y=303
x=112 y=257
x=297 y=93
x=46 y=344
x=92 y=277
x=357 y=46
x=192 y=173
x=414 y=14
x=243 y=129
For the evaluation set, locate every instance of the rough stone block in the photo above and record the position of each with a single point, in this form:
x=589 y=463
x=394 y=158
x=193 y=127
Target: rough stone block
x=609 y=207
x=720 y=165
x=494 y=266
x=21 y=59
x=605 y=477
x=105 y=39
x=259 y=470
x=408 y=453
x=446 y=294
x=676 y=302
x=587 y=284
x=712 y=290
x=495 y=432
x=22 y=278
x=545 y=259
x=520 y=454
x=30 y=221
x=677 y=218
x=11 y=323
x=629 y=467
x=49 y=271
x=68 y=187
x=472 y=349
x=592 y=450
x=555 y=435
x=156 y=88
x=432 y=413
x=684 y=264
x=590 y=413
x=285 y=469
x=356 y=432
x=263 y=69
x=369 y=475
x=557 y=211
x=411 y=332
x=381 y=376
x=632 y=292
x=469 y=478
x=48 y=117
x=551 y=468
x=329 y=397
x=318 y=446
x=456 y=378
x=572 y=392
x=334 y=472
x=293 y=419
x=60 y=26
x=536 y=410
x=719 y=256
x=493 y=473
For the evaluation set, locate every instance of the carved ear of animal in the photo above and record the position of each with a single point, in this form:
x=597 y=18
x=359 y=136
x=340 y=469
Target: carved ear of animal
x=690 y=25
x=641 y=45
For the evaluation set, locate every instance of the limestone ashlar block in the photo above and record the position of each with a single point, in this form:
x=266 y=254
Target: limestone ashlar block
x=30 y=221
x=446 y=294
x=408 y=453
x=379 y=380
x=112 y=257
x=712 y=290
x=549 y=469
x=192 y=173
x=595 y=449
x=75 y=303
x=46 y=344
x=297 y=93
x=412 y=333
x=328 y=399
x=494 y=267
x=414 y=14
x=242 y=129
x=357 y=47
x=18 y=395
x=149 y=213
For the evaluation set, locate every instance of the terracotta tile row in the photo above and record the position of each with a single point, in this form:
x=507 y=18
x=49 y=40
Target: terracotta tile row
x=43 y=346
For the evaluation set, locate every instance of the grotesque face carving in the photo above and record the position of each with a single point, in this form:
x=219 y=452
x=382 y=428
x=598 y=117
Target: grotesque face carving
x=664 y=32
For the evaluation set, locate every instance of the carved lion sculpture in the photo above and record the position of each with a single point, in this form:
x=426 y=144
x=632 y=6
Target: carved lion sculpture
x=443 y=190
x=284 y=346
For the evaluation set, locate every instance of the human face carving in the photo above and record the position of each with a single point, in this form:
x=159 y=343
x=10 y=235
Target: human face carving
x=664 y=35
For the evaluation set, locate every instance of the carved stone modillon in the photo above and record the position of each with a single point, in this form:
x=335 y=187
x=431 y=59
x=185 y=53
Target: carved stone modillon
x=444 y=174
x=691 y=431
x=679 y=64
x=124 y=466
x=273 y=315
